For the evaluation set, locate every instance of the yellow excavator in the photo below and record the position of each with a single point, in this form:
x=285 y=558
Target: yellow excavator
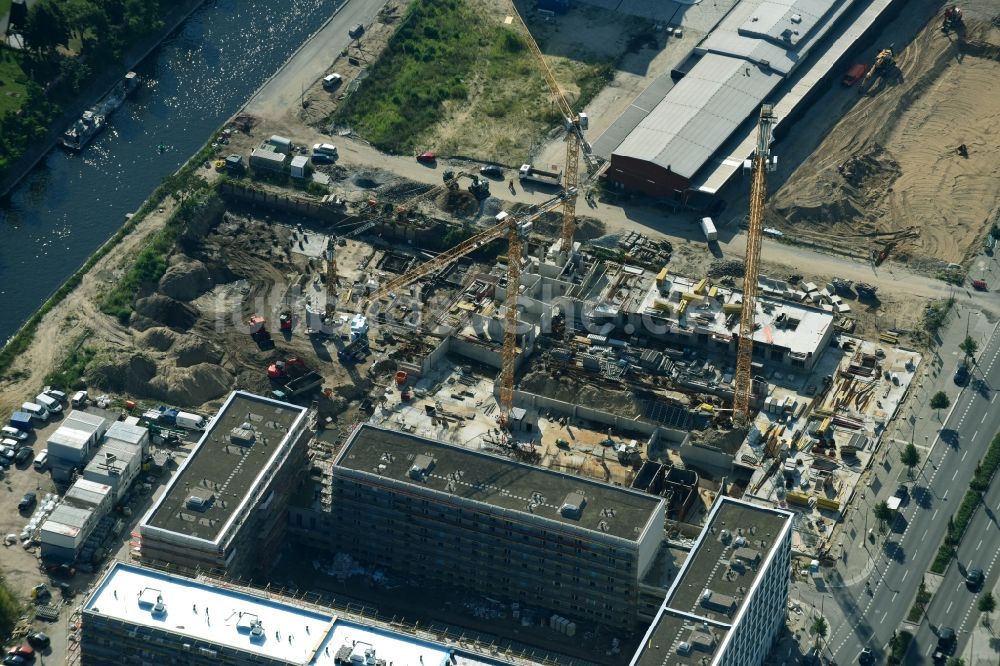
x=883 y=61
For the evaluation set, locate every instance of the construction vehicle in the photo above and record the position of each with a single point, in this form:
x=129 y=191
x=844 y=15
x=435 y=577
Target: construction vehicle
x=575 y=141
x=952 y=18
x=310 y=381
x=355 y=350
x=883 y=61
x=854 y=74
x=515 y=228
x=762 y=163
x=258 y=329
x=531 y=173
x=479 y=187
x=283 y=371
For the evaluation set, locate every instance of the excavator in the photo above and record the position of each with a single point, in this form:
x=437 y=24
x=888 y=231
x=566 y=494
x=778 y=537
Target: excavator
x=952 y=19
x=883 y=61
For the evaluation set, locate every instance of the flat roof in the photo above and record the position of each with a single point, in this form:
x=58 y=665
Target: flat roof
x=499 y=482
x=736 y=531
x=224 y=473
x=126 y=432
x=291 y=632
x=743 y=60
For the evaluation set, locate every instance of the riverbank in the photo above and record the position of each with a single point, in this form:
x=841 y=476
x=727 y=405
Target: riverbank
x=97 y=89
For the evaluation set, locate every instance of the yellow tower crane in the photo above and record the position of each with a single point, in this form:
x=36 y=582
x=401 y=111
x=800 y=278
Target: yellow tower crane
x=515 y=229
x=575 y=140
x=758 y=195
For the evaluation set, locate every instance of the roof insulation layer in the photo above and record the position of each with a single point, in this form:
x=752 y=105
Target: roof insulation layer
x=699 y=114
x=125 y=432
x=784 y=21
x=218 y=616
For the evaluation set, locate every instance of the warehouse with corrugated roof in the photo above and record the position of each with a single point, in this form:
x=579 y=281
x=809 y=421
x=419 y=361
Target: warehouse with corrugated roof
x=694 y=137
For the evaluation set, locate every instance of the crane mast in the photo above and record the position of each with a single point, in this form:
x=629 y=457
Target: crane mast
x=574 y=135
x=758 y=195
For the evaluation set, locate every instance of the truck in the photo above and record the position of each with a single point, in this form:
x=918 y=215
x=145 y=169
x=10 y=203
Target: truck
x=529 y=172
x=298 y=386
x=354 y=351
x=854 y=74
x=21 y=421
x=708 y=228
x=189 y=421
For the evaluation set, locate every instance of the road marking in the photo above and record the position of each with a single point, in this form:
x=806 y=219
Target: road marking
x=932 y=518
x=955 y=474
x=883 y=617
x=974 y=435
x=984 y=417
x=979 y=545
x=894 y=595
x=950 y=604
x=905 y=572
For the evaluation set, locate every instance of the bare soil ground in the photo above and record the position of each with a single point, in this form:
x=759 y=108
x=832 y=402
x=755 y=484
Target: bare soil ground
x=892 y=172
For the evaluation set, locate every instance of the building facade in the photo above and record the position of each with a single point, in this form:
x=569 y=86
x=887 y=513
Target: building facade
x=141 y=617
x=455 y=517
x=228 y=502
x=728 y=601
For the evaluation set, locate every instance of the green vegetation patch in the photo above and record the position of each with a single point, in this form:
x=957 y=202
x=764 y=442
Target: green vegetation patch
x=455 y=80
x=70 y=371
x=920 y=604
x=10 y=609
x=429 y=56
x=13 y=80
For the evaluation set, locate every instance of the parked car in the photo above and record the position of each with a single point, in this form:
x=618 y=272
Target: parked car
x=14 y=660
x=25 y=651
x=356 y=31
x=24 y=455
x=961 y=374
x=55 y=393
x=866 y=657
x=322 y=158
x=7 y=456
x=79 y=399
x=38 y=640
x=27 y=502
x=427 y=157
x=10 y=432
x=332 y=81
x=979 y=285
x=491 y=171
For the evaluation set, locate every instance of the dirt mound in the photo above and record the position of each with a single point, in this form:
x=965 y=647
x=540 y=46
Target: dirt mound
x=186 y=280
x=119 y=373
x=568 y=389
x=874 y=169
x=157 y=339
x=192 y=351
x=720 y=269
x=190 y=387
x=164 y=311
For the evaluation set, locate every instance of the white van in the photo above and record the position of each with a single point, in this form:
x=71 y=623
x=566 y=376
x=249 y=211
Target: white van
x=331 y=81
x=79 y=399
x=49 y=403
x=41 y=460
x=37 y=412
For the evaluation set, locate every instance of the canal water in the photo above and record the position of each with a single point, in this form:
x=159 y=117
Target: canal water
x=71 y=203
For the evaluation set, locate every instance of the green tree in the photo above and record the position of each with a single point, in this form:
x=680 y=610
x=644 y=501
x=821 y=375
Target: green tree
x=910 y=457
x=818 y=629
x=987 y=604
x=969 y=347
x=45 y=27
x=956 y=661
x=883 y=514
x=939 y=401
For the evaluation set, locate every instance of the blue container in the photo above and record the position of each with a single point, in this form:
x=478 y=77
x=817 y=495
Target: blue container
x=22 y=421
x=168 y=415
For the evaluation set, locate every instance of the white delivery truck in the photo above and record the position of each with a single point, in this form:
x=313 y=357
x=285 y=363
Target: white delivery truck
x=708 y=228
x=37 y=412
x=190 y=421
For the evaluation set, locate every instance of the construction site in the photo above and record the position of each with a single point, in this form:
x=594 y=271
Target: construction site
x=465 y=322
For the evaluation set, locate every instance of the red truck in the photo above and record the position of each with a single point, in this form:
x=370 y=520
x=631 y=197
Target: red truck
x=854 y=74
x=979 y=285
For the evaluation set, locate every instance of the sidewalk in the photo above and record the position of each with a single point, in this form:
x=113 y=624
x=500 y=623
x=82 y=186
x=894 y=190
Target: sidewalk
x=983 y=648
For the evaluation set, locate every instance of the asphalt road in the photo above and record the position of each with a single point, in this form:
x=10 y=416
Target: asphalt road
x=905 y=552
x=311 y=61
x=954 y=605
